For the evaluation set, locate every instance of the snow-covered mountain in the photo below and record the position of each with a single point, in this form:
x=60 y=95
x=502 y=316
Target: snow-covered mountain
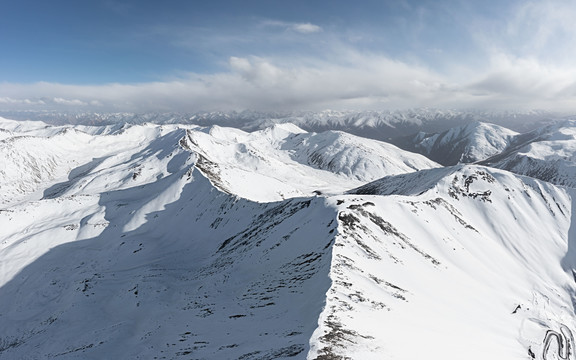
x=379 y=125
x=463 y=144
x=285 y=161
x=547 y=153
x=179 y=241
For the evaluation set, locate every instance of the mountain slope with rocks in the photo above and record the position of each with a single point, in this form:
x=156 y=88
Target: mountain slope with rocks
x=180 y=241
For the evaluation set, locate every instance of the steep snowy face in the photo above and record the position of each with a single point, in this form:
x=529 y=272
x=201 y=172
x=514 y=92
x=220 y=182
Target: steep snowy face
x=135 y=254
x=22 y=126
x=546 y=154
x=464 y=144
x=27 y=161
x=452 y=263
x=346 y=154
x=171 y=269
x=54 y=159
x=286 y=161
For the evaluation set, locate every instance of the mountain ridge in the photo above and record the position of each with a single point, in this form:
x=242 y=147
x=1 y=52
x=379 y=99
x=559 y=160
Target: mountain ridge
x=146 y=243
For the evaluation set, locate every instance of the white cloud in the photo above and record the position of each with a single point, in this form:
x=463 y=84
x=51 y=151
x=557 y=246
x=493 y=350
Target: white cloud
x=521 y=56
x=36 y=101
x=540 y=29
x=513 y=82
x=303 y=28
x=358 y=81
x=306 y=28
x=9 y=100
x=541 y=23
x=69 y=102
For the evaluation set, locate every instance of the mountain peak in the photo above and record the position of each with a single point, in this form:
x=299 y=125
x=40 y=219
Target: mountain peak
x=467 y=143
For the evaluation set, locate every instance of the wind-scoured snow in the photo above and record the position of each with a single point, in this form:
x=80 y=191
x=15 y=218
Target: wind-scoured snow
x=183 y=242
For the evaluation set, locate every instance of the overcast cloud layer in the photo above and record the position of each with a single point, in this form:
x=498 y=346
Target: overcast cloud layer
x=518 y=56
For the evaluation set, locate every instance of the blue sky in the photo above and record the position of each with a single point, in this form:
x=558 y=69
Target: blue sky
x=175 y=55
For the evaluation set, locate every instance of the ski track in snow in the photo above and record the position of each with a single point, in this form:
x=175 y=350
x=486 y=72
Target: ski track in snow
x=170 y=241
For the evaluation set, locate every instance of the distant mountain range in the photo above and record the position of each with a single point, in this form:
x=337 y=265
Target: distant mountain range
x=546 y=153
x=379 y=125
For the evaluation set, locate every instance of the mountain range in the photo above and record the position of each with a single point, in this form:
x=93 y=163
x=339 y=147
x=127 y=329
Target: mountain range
x=202 y=241
x=378 y=125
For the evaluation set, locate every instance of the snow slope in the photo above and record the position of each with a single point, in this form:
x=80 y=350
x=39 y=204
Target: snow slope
x=464 y=144
x=453 y=261
x=285 y=161
x=153 y=246
x=32 y=160
x=181 y=272
x=547 y=153
x=139 y=256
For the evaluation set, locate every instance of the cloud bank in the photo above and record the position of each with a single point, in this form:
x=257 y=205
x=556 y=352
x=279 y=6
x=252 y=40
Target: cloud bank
x=518 y=60
x=363 y=81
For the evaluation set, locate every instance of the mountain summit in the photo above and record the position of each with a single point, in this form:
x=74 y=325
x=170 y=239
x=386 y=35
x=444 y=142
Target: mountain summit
x=464 y=144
